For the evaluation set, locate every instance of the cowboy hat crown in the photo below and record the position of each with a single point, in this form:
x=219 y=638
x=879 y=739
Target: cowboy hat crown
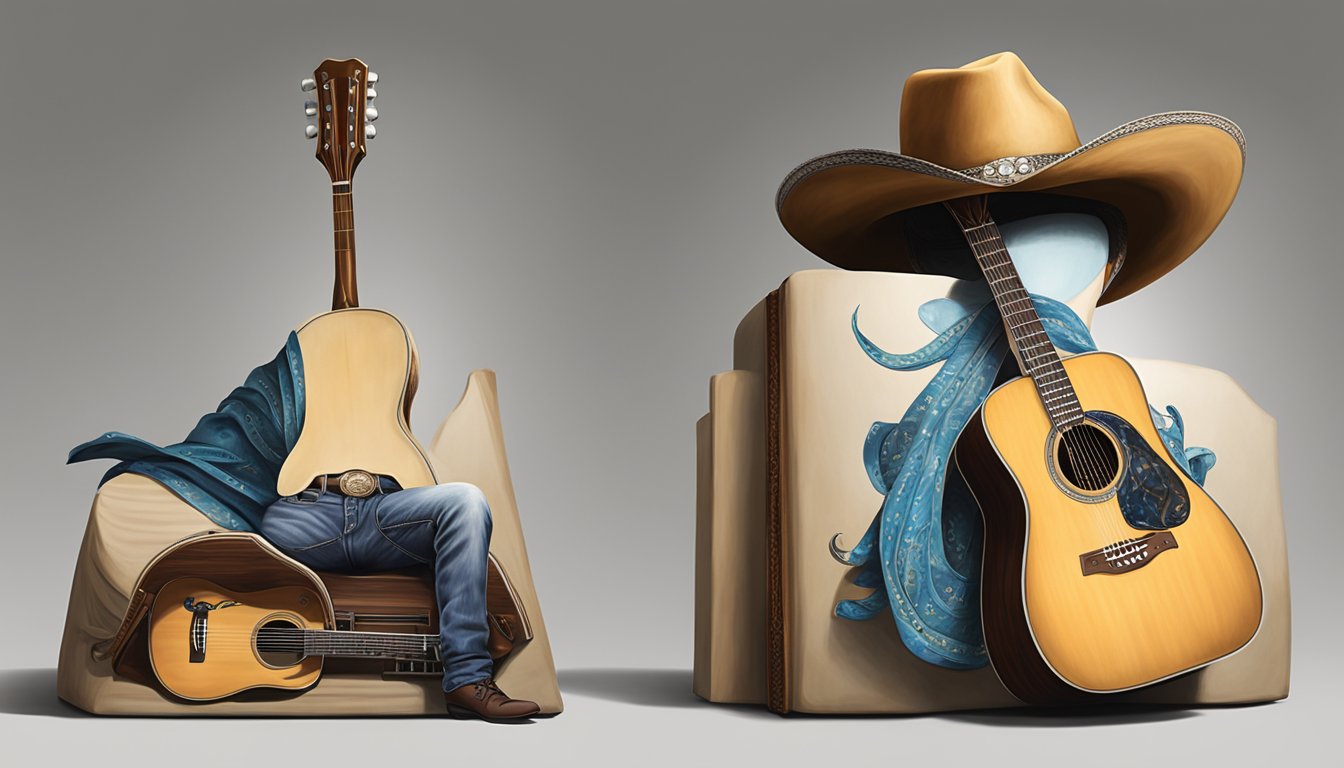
x=988 y=109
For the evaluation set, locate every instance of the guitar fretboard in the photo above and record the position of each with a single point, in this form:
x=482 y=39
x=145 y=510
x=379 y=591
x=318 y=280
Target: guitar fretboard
x=370 y=644
x=1035 y=354
x=345 y=294
x=326 y=642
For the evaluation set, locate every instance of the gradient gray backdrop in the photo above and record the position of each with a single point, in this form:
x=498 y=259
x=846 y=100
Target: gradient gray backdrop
x=580 y=196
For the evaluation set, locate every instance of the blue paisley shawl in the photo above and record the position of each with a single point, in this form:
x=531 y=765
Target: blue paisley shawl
x=921 y=554
x=228 y=465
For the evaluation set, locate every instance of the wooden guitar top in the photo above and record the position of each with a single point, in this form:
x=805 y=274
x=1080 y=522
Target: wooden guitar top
x=359 y=368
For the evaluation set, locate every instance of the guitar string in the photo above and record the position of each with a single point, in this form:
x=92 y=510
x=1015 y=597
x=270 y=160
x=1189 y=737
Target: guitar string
x=336 y=634
x=430 y=643
x=294 y=641
x=1077 y=442
x=1091 y=466
x=1085 y=437
x=339 y=634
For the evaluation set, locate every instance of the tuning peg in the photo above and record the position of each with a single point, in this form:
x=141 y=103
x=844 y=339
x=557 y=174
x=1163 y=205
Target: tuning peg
x=310 y=131
x=310 y=108
x=373 y=78
x=308 y=84
x=370 y=131
x=372 y=94
x=371 y=113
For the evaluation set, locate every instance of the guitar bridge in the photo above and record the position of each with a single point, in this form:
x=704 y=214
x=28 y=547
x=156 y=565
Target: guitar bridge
x=1127 y=554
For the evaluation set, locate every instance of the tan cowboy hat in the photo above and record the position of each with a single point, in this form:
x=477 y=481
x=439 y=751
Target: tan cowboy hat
x=989 y=127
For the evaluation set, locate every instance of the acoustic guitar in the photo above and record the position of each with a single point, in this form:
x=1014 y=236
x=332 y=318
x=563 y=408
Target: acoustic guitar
x=207 y=642
x=360 y=365
x=1105 y=568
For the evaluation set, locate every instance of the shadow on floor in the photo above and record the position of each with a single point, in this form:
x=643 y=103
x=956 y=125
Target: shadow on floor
x=33 y=692
x=641 y=687
x=1084 y=717
x=1095 y=714
x=672 y=688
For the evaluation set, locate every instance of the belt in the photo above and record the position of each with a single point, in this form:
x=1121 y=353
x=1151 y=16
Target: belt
x=355 y=482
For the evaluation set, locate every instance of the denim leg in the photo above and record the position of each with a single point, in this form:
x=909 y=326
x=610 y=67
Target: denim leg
x=309 y=528
x=449 y=526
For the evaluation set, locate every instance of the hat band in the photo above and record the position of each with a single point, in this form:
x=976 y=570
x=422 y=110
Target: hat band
x=1009 y=170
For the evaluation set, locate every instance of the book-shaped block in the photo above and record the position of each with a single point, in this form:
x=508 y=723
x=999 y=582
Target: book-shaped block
x=781 y=472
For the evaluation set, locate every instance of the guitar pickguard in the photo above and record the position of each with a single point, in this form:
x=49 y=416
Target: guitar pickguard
x=1152 y=495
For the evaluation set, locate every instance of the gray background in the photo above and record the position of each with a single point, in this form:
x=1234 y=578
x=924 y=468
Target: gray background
x=579 y=196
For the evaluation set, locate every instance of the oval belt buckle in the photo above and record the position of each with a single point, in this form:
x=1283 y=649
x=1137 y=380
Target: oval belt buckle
x=356 y=482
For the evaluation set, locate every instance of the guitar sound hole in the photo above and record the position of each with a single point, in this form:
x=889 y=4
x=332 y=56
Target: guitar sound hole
x=1087 y=457
x=280 y=643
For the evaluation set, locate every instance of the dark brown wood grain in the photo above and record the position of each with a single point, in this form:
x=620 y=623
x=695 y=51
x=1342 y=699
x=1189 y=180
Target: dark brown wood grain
x=240 y=561
x=345 y=290
x=1012 y=651
x=776 y=672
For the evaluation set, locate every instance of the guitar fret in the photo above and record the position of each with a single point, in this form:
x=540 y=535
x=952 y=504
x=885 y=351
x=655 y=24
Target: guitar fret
x=1034 y=358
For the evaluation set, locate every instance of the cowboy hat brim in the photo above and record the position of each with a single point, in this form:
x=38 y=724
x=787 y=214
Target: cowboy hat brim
x=1173 y=176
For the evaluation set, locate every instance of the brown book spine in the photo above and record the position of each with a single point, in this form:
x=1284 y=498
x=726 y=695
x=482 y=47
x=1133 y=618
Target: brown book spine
x=776 y=656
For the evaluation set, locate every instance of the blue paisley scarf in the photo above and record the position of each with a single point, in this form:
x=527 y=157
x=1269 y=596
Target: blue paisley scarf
x=228 y=465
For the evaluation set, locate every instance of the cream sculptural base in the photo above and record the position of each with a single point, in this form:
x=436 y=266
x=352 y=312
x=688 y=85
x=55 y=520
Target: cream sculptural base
x=830 y=394
x=134 y=518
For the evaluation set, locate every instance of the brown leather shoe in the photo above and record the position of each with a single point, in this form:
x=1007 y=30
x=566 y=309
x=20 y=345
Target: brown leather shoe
x=483 y=699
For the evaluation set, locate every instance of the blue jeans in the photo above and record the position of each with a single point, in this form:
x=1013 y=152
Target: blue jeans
x=447 y=525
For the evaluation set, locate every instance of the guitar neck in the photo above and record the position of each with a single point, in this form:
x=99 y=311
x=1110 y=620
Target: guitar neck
x=1036 y=356
x=384 y=645
x=343 y=91
x=345 y=293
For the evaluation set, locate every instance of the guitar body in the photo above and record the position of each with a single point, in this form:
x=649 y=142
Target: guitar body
x=1099 y=589
x=220 y=657
x=360 y=371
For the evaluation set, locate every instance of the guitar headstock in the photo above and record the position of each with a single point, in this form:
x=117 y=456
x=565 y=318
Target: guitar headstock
x=340 y=114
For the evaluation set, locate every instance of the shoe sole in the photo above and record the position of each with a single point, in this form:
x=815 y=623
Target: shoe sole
x=462 y=713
